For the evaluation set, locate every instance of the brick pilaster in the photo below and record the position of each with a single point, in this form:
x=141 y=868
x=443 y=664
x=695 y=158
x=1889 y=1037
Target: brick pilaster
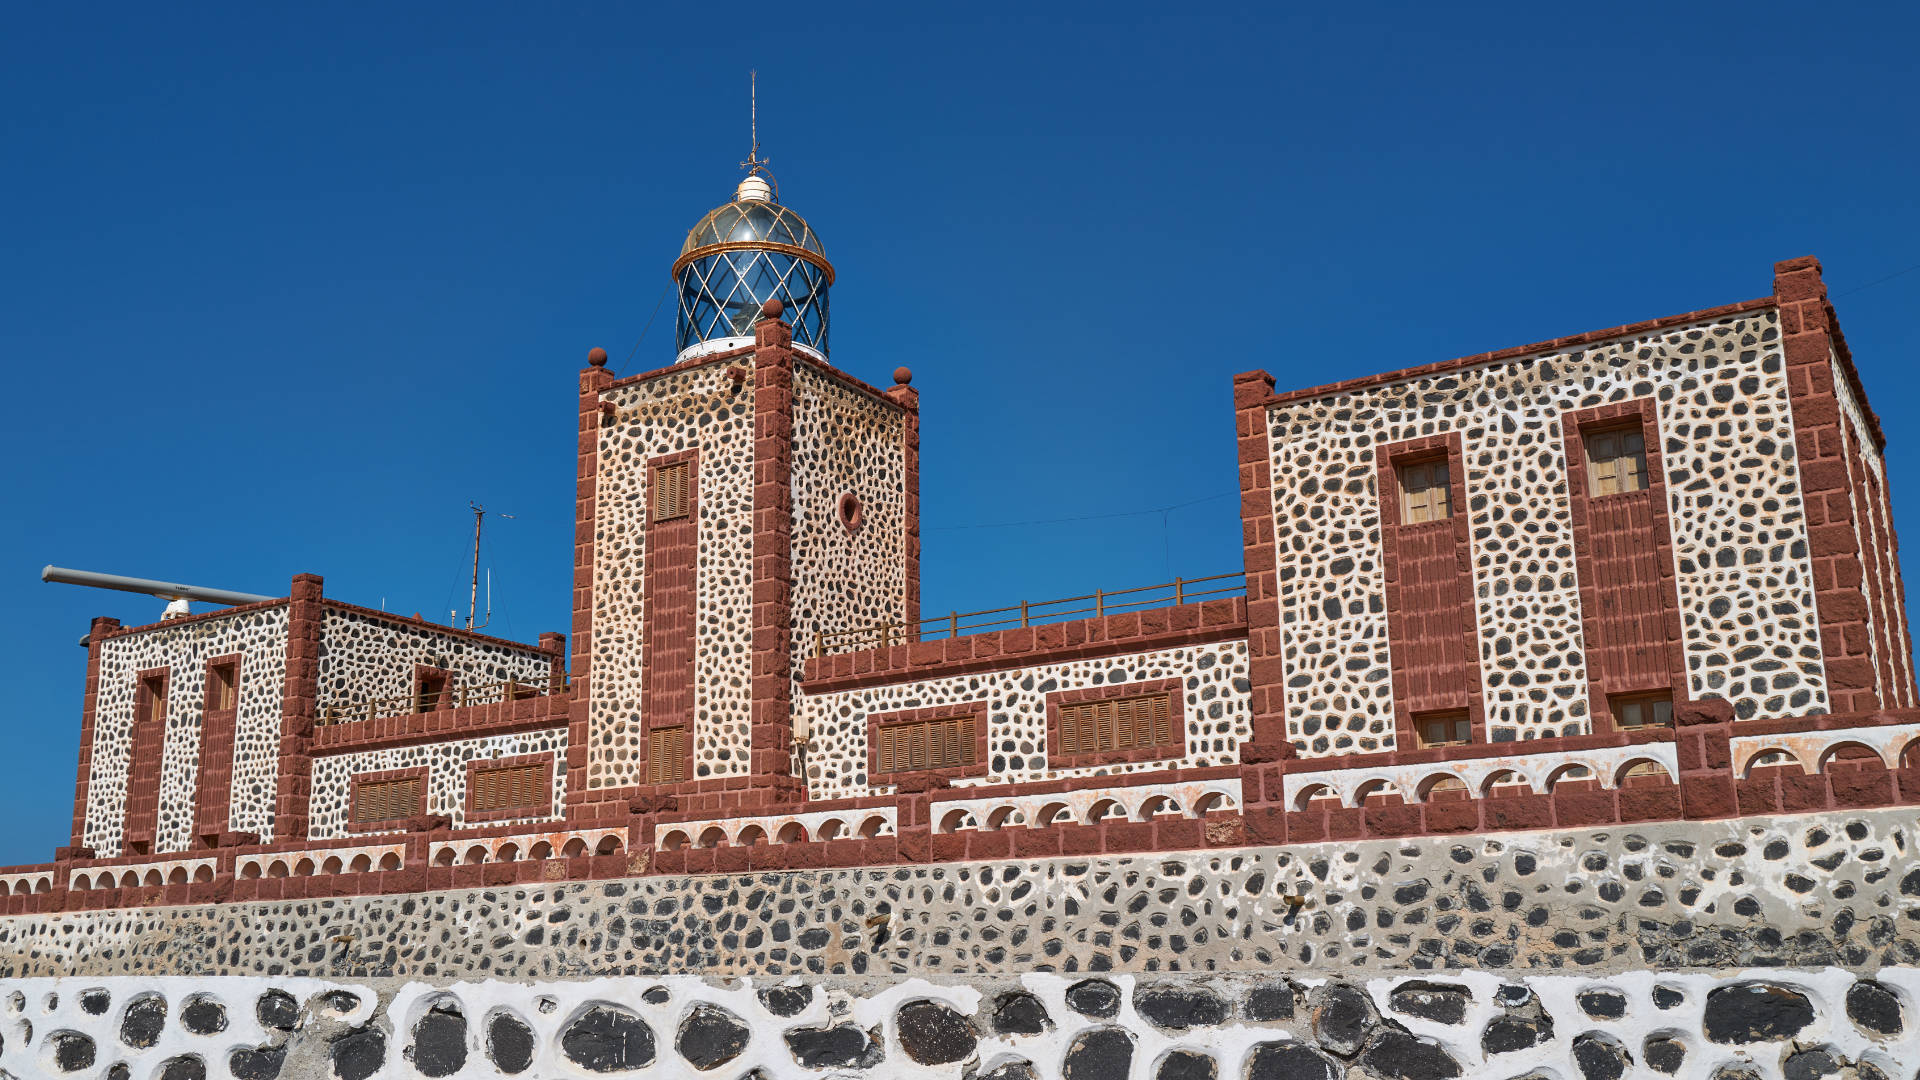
x=98 y=631
x=1807 y=330
x=1265 y=668
x=594 y=379
x=770 y=757
x=297 y=705
x=909 y=400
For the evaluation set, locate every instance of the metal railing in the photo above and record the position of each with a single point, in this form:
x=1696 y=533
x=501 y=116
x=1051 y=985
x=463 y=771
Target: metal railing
x=426 y=701
x=1098 y=603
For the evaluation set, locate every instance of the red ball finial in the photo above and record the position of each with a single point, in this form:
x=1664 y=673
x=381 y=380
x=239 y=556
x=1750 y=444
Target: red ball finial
x=772 y=309
x=597 y=356
x=902 y=375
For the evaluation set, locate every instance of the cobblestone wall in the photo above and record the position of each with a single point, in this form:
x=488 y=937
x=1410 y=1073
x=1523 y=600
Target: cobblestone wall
x=1741 y=1025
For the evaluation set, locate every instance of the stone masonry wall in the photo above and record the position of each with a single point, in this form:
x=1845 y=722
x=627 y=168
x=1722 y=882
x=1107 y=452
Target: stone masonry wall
x=365 y=657
x=1749 y=625
x=699 y=408
x=1279 y=1025
x=446 y=764
x=259 y=634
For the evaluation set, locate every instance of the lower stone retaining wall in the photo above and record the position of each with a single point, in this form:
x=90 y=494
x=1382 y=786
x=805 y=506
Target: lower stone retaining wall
x=1733 y=1025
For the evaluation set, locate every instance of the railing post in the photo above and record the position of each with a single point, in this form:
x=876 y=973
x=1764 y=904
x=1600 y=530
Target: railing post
x=884 y=638
x=1023 y=614
x=512 y=689
x=1099 y=603
x=819 y=645
x=953 y=625
x=1178 y=596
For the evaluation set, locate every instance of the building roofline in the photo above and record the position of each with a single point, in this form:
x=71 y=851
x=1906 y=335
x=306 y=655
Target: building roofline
x=426 y=624
x=1592 y=337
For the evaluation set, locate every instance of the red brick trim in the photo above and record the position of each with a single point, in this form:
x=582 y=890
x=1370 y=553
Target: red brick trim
x=1593 y=337
x=1175 y=692
x=981 y=710
x=539 y=810
x=1575 y=426
x=667 y=681
x=429 y=626
x=146 y=756
x=770 y=756
x=594 y=381
x=213 y=779
x=1203 y=623
x=449 y=682
x=97 y=632
x=204 y=616
x=1810 y=343
x=298 y=700
x=441 y=725
x=1388 y=459
x=390 y=824
x=909 y=401
x=673 y=368
x=1266 y=663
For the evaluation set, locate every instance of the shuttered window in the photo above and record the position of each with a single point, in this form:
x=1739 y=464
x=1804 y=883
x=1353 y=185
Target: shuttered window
x=667 y=755
x=512 y=787
x=223 y=685
x=1424 y=494
x=1631 y=712
x=1132 y=723
x=1616 y=461
x=670 y=491
x=1451 y=728
x=926 y=744
x=386 y=800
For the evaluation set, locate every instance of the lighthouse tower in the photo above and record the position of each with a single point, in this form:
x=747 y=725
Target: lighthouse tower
x=732 y=505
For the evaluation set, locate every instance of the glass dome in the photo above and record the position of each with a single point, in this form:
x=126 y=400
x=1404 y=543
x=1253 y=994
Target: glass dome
x=743 y=254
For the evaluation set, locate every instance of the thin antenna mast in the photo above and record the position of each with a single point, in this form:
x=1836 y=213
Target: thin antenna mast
x=473 y=594
x=755 y=164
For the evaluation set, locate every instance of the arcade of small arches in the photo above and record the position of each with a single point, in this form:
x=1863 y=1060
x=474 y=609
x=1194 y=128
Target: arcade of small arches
x=1610 y=768
x=1811 y=752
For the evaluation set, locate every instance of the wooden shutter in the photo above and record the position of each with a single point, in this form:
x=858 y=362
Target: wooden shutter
x=386 y=800
x=1131 y=723
x=947 y=743
x=1616 y=461
x=667 y=755
x=1424 y=492
x=512 y=787
x=670 y=491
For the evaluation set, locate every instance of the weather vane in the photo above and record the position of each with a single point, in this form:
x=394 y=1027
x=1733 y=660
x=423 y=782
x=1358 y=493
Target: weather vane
x=755 y=163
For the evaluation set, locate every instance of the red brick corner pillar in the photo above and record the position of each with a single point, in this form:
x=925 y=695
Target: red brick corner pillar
x=1807 y=331
x=96 y=633
x=908 y=399
x=1265 y=668
x=1703 y=737
x=594 y=380
x=297 y=705
x=770 y=754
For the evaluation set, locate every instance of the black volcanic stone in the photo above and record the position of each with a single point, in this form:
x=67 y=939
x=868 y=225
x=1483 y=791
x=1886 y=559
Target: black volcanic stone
x=607 y=1038
x=710 y=1037
x=1017 y=1012
x=184 y=1067
x=1666 y=997
x=359 y=1054
x=843 y=1045
x=143 y=1022
x=1094 y=997
x=1271 y=1002
x=1291 y=1061
x=656 y=995
x=257 y=1063
x=95 y=1002
x=1342 y=1016
x=1098 y=1054
x=1402 y=1056
x=1811 y=1065
x=203 y=1015
x=933 y=1034
x=509 y=1042
x=277 y=1009
x=1599 y=1057
x=1506 y=1034
x=1755 y=1012
x=786 y=1000
x=440 y=1041
x=1664 y=1055
x=119 y=1071
x=72 y=1051
x=1186 y=1065
x=1442 y=1003
x=339 y=1001
x=1603 y=1004
x=1179 y=1008
x=1874 y=1008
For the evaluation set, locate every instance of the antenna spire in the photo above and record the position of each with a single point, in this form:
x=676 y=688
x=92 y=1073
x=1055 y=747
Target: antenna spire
x=754 y=163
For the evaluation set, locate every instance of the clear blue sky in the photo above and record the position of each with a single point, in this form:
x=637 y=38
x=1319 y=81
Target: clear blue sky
x=283 y=289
